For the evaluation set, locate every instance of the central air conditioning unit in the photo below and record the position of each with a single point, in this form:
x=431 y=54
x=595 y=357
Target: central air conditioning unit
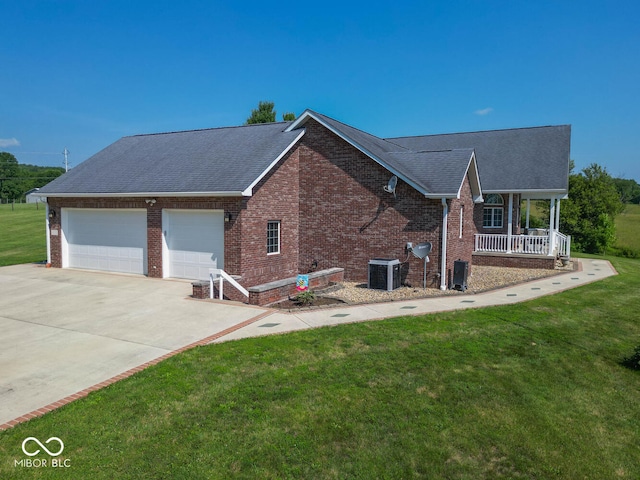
x=384 y=274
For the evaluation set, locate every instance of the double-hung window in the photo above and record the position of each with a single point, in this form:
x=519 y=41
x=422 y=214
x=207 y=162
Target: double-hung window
x=273 y=237
x=493 y=212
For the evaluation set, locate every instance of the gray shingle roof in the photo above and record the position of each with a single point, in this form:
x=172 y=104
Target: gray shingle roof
x=521 y=159
x=438 y=173
x=214 y=160
x=231 y=160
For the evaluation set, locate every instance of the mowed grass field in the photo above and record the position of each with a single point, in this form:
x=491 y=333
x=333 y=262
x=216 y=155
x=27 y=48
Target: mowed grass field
x=22 y=234
x=628 y=228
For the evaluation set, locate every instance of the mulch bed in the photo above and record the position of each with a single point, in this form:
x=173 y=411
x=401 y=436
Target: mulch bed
x=318 y=302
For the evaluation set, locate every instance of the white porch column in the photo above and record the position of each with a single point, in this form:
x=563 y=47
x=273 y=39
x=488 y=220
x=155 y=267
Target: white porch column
x=558 y=215
x=443 y=268
x=552 y=221
x=510 y=224
x=528 y=212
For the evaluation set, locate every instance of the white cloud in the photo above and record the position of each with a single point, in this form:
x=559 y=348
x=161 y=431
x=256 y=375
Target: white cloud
x=484 y=111
x=9 y=142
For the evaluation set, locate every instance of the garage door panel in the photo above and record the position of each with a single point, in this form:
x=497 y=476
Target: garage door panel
x=195 y=242
x=112 y=240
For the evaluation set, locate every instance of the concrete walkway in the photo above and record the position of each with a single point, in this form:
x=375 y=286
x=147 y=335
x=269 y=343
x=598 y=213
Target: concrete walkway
x=67 y=333
x=589 y=270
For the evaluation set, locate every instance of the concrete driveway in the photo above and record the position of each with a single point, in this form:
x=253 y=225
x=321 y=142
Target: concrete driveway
x=65 y=331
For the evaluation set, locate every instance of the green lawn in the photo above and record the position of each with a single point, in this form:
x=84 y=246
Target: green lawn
x=22 y=234
x=628 y=228
x=533 y=391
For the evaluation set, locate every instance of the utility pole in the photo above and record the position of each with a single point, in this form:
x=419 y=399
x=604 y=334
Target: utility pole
x=66 y=159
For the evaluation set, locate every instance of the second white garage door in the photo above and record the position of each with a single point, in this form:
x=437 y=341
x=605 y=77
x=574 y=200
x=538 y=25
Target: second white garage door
x=194 y=242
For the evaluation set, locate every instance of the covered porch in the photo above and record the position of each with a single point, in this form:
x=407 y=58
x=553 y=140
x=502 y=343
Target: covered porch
x=533 y=241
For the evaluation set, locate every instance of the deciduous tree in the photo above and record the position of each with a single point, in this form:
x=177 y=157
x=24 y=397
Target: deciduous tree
x=265 y=113
x=589 y=213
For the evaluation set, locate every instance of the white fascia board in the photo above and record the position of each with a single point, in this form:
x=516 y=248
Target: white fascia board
x=248 y=192
x=439 y=196
x=536 y=194
x=474 y=180
x=144 y=194
x=308 y=114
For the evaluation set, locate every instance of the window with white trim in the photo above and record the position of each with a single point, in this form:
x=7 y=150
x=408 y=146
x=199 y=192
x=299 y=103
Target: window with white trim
x=461 y=220
x=493 y=213
x=273 y=237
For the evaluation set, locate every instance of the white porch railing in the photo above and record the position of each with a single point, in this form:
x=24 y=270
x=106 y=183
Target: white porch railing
x=221 y=275
x=563 y=244
x=527 y=244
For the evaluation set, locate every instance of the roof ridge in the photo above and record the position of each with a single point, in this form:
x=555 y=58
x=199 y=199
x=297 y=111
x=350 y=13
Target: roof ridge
x=478 y=131
x=407 y=151
x=207 y=129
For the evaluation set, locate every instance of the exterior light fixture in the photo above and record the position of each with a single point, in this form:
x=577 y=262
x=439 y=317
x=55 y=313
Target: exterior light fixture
x=227 y=216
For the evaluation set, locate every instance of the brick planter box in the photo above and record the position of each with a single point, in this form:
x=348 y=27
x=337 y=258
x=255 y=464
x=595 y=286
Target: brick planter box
x=272 y=292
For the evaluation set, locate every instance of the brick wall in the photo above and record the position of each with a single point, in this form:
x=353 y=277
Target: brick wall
x=346 y=218
x=510 y=261
x=274 y=198
x=461 y=210
x=55 y=234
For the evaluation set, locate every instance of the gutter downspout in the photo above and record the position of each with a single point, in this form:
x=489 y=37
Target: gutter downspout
x=443 y=268
x=48 y=232
x=510 y=224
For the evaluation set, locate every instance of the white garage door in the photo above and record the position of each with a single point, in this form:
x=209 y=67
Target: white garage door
x=105 y=239
x=194 y=242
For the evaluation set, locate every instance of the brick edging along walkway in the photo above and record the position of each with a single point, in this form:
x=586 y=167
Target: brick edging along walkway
x=83 y=393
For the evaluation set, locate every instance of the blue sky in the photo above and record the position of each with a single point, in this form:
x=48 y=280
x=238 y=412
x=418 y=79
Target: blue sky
x=81 y=74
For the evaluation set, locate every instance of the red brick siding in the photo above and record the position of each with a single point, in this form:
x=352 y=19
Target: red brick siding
x=274 y=198
x=548 y=263
x=461 y=248
x=55 y=226
x=154 y=241
x=346 y=218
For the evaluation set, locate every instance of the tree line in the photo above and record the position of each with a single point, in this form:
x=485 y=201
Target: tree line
x=17 y=179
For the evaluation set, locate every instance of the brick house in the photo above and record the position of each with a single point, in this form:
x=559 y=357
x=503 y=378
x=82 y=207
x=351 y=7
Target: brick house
x=266 y=202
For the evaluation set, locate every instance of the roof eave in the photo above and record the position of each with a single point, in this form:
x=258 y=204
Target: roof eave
x=142 y=194
x=532 y=193
x=247 y=192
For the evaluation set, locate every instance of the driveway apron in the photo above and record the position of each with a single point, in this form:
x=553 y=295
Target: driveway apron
x=64 y=330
